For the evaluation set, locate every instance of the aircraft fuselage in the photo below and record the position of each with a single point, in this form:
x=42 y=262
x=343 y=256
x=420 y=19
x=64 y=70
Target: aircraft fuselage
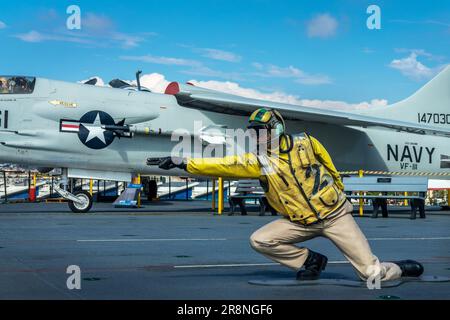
x=62 y=125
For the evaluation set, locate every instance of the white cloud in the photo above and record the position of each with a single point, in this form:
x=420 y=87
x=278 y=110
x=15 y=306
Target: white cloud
x=220 y=55
x=32 y=36
x=317 y=79
x=196 y=68
x=258 y=65
x=235 y=88
x=127 y=40
x=124 y=40
x=208 y=72
x=288 y=72
x=422 y=53
x=102 y=26
x=2 y=25
x=36 y=36
x=96 y=30
x=412 y=68
x=158 y=83
x=279 y=96
x=322 y=26
x=154 y=81
x=163 y=60
x=215 y=54
x=418 y=52
x=99 y=23
x=342 y=105
x=433 y=22
x=291 y=72
x=100 y=82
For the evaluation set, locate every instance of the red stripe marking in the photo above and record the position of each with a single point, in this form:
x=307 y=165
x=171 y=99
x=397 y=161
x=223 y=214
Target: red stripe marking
x=73 y=126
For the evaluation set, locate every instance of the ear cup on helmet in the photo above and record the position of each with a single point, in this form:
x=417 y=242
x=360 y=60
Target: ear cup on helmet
x=279 y=129
x=280 y=125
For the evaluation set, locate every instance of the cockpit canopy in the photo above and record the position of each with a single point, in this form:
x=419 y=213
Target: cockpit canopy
x=120 y=84
x=17 y=85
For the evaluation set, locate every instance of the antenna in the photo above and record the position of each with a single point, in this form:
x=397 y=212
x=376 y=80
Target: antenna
x=138 y=79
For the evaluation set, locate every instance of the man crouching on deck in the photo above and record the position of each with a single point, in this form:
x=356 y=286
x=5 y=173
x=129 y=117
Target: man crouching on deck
x=301 y=183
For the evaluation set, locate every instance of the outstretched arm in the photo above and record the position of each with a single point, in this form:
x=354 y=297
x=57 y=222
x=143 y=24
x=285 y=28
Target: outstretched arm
x=324 y=157
x=242 y=166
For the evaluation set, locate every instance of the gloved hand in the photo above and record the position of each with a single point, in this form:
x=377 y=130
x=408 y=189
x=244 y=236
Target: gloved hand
x=172 y=162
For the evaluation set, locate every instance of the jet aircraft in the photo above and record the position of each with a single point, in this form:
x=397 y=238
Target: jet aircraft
x=108 y=133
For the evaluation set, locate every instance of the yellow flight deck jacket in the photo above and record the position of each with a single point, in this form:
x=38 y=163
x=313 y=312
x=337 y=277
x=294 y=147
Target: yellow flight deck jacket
x=300 y=183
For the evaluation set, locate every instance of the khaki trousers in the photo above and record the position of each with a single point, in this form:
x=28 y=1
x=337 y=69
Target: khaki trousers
x=277 y=240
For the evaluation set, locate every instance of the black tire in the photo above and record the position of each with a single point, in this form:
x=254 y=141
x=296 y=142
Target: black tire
x=75 y=208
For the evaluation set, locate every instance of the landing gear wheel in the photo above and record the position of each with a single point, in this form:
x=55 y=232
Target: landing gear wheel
x=87 y=202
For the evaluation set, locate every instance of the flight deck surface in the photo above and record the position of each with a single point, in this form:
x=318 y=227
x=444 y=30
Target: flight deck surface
x=179 y=250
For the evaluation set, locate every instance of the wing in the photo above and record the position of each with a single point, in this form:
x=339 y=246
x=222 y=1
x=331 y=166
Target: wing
x=200 y=98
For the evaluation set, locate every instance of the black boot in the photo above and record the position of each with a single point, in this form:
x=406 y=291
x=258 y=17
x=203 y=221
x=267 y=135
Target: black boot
x=410 y=268
x=314 y=265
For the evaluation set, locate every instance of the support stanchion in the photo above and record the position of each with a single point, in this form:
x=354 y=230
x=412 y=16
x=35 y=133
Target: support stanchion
x=5 y=187
x=91 y=187
x=220 y=209
x=32 y=188
x=213 y=194
x=139 y=193
x=170 y=188
x=137 y=180
x=29 y=181
x=51 y=187
x=361 y=201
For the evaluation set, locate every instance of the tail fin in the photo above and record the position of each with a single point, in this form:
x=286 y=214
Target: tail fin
x=429 y=105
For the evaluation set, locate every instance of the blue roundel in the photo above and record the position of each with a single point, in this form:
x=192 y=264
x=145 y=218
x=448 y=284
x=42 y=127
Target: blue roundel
x=91 y=133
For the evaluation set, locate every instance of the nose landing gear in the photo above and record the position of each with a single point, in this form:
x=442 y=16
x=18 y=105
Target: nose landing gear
x=79 y=202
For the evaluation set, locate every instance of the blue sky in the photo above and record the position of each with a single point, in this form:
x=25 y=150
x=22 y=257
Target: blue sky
x=319 y=50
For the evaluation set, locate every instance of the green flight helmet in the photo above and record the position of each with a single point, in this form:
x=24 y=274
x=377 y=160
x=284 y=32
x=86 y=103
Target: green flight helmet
x=268 y=119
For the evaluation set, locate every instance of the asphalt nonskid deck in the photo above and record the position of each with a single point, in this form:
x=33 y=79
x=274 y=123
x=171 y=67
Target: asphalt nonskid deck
x=179 y=250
